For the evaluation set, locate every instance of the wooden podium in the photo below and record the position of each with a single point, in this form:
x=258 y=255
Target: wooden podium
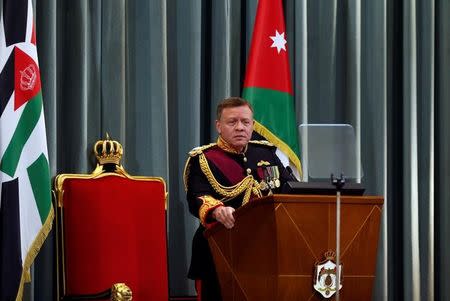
x=271 y=252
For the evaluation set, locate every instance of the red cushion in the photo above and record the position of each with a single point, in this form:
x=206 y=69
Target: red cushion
x=115 y=231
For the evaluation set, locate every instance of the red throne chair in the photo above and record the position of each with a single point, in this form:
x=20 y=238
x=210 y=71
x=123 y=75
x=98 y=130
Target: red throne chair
x=111 y=232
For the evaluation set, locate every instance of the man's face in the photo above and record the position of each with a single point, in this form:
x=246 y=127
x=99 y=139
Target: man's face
x=236 y=126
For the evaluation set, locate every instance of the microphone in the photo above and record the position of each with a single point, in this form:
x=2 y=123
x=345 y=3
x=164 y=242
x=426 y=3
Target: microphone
x=291 y=174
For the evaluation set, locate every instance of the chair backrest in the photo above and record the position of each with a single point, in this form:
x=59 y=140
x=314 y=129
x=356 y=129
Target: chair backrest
x=112 y=229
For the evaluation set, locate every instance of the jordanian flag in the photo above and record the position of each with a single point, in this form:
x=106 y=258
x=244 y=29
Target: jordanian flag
x=26 y=212
x=267 y=84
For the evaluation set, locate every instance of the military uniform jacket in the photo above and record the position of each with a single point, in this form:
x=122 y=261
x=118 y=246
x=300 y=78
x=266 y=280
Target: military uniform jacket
x=215 y=176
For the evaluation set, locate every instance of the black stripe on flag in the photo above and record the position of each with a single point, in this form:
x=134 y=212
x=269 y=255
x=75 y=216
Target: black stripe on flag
x=15 y=20
x=10 y=257
x=7 y=82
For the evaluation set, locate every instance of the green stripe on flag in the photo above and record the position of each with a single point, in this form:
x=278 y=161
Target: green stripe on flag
x=27 y=123
x=275 y=111
x=39 y=175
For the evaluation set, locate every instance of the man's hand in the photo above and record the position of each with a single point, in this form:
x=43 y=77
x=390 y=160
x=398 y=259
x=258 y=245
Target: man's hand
x=224 y=215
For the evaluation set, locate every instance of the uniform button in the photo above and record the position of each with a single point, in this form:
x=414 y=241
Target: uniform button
x=249 y=171
x=245 y=159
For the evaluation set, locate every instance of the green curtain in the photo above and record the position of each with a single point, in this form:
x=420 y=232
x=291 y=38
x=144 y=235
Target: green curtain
x=150 y=73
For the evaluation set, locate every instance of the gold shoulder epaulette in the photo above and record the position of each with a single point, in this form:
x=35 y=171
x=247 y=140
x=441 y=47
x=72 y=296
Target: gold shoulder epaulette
x=193 y=153
x=199 y=149
x=261 y=142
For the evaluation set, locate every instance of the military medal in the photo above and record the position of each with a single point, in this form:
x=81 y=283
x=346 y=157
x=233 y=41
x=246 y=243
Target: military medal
x=262 y=174
x=270 y=177
x=263 y=185
x=277 y=183
x=276 y=175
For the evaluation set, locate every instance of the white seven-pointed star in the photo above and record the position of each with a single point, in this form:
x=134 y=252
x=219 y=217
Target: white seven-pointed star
x=279 y=41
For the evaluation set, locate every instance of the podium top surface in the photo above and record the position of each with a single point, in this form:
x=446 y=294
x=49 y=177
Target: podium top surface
x=321 y=188
x=303 y=199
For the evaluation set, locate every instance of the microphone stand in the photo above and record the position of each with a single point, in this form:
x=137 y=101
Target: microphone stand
x=338 y=183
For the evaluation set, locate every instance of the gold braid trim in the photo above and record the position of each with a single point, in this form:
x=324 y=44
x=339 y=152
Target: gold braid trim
x=194 y=152
x=261 y=142
x=248 y=184
x=209 y=203
x=33 y=251
x=228 y=148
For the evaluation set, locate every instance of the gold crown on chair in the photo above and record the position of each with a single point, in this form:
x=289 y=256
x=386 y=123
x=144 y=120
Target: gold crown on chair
x=108 y=151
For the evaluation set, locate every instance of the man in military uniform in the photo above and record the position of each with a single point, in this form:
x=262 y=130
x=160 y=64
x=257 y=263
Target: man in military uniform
x=221 y=177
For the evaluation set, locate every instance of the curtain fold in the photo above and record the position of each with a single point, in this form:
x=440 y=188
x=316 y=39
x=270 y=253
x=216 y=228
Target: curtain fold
x=411 y=260
x=150 y=73
x=442 y=170
x=425 y=35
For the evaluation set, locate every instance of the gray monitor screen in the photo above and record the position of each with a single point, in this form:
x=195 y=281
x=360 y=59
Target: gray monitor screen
x=329 y=149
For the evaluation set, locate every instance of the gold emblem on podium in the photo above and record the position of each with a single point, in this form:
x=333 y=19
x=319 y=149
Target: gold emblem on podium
x=325 y=276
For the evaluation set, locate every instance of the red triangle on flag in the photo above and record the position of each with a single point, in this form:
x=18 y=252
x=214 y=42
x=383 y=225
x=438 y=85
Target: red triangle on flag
x=268 y=66
x=27 y=79
x=33 y=35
